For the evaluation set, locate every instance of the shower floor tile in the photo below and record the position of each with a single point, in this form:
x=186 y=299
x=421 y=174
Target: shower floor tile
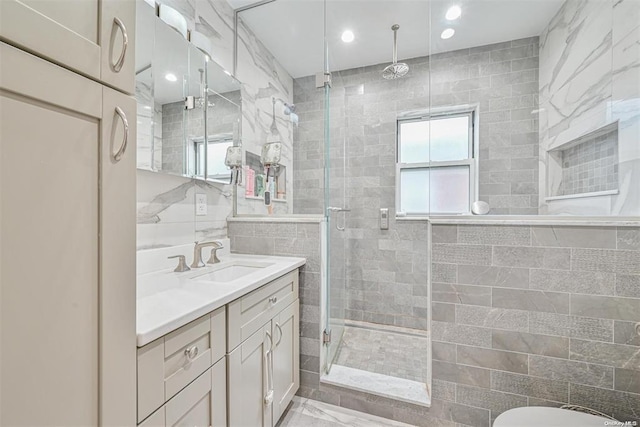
x=396 y=352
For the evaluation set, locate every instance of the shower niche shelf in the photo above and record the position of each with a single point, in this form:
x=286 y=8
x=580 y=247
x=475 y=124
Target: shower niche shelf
x=586 y=166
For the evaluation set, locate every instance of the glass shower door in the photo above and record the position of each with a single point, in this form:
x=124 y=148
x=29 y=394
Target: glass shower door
x=336 y=213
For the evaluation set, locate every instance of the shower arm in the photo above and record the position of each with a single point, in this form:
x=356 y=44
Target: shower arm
x=395 y=44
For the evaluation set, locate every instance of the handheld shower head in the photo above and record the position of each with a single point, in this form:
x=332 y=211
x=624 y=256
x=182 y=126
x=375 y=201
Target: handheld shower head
x=289 y=108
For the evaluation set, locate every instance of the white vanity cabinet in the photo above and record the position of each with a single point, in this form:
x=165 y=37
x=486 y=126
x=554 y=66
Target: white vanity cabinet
x=67 y=193
x=169 y=364
x=264 y=367
x=93 y=37
x=237 y=366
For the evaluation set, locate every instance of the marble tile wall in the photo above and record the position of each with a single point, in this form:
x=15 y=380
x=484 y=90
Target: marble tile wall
x=149 y=129
x=166 y=210
x=536 y=315
x=263 y=78
x=590 y=78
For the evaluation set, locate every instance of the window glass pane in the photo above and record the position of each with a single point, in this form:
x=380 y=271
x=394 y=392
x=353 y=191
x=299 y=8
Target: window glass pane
x=414 y=142
x=449 y=138
x=449 y=189
x=414 y=186
x=216 y=154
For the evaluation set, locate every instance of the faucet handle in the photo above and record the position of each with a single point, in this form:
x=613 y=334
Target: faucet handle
x=213 y=259
x=182 y=263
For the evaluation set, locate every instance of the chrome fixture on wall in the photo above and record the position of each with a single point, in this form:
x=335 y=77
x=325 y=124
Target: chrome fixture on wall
x=396 y=69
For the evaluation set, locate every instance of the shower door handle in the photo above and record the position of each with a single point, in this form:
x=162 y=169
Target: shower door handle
x=337 y=209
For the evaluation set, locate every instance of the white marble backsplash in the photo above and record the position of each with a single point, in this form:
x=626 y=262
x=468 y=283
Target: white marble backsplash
x=589 y=78
x=166 y=210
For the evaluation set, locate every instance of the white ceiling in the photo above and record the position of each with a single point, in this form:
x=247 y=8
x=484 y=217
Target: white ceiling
x=293 y=29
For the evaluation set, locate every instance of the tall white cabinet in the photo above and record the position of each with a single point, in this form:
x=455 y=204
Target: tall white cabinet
x=67 y=213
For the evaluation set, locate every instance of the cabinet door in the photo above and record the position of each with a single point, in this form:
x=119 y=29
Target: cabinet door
x=118 y=259
x=249 y=371
x=75 y=299
x=81 y=35
x=286 y=358
x=117 y=23
x=49 y=248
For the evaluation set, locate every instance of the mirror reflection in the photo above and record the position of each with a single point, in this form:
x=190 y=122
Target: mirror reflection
x=184 y=99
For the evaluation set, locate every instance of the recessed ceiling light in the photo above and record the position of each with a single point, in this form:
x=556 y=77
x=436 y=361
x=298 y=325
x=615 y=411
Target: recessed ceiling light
x=447 y=34
x=348 y=36
x=171 y=77
x=453 y=13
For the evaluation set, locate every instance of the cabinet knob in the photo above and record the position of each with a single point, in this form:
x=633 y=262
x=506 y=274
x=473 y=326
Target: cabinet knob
x=191 y=353
x=273 y=300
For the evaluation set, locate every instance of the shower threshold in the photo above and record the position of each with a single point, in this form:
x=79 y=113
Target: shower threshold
x=381 y=360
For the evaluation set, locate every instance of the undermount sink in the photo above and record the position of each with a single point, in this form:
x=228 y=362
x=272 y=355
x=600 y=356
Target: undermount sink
x=231 y=271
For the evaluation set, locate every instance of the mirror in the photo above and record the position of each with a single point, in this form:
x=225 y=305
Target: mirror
x=182 y=97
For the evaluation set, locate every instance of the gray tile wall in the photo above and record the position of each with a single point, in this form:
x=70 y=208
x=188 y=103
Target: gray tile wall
x=500 y=79
x=555 y=325
x=590 y=166
x=536 y=315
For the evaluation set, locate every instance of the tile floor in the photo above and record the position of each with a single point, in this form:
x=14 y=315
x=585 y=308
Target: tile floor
x=311 y=413
x=392 y=351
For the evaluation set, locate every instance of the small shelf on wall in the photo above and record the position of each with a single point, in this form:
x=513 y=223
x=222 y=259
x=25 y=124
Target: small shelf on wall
x=585 y=167
x=255 y=191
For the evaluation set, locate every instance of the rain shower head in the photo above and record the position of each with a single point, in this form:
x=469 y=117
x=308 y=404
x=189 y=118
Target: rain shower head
x=396 y=69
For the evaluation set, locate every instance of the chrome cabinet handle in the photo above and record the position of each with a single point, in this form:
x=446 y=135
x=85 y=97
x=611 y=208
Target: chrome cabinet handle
x=268 y=334
x=279 y=329
x=125 y=43
x=191 y=353
x=273 y=300
x=118 y=156
x=268 y=367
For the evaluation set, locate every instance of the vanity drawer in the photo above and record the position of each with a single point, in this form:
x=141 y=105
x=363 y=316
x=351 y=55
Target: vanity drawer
x=201 y=403
x=248 y=313
x=169 y=364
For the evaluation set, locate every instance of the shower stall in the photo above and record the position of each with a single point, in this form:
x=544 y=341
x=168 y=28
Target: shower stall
x=481 y=101
x=374 y=303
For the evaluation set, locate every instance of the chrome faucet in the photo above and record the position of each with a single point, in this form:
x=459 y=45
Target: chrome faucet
x=197 y=253
x=182 y=264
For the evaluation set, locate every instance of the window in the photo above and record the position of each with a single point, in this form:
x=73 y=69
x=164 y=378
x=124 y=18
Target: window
x=216 y=153
x=436 y=165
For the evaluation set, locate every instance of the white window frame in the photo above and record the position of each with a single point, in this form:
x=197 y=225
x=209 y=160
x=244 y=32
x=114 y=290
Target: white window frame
x=471 y=162
x=200 y=163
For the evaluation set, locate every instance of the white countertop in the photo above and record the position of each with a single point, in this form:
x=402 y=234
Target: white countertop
x=167 y=300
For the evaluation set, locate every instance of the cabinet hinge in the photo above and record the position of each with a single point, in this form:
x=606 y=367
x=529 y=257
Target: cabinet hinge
x=326 y=337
